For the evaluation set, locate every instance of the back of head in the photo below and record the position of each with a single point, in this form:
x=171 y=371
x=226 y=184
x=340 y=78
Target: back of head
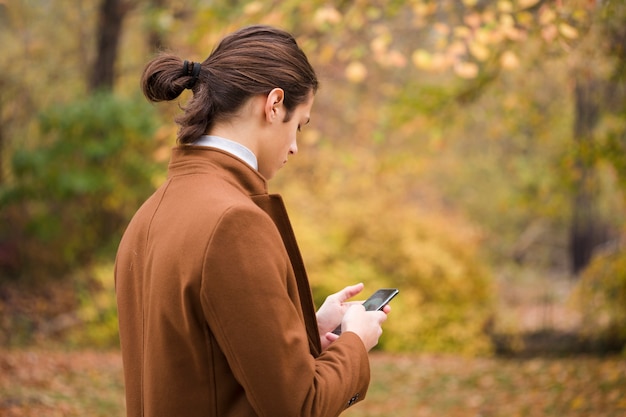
x=246 y=63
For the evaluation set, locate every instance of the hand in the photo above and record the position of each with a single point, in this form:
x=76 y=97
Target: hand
x=331 y=313
x=330 y=337
x=366 y=324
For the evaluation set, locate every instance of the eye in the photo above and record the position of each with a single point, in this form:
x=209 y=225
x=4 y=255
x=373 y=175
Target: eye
x=306 y=123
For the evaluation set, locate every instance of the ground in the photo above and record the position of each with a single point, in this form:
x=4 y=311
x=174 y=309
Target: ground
x=53 y=383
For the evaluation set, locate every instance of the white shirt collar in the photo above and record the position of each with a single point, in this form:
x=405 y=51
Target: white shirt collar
x=232 y=147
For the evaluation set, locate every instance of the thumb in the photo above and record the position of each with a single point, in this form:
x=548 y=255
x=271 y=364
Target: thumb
x=350 y=291
x=331 y=337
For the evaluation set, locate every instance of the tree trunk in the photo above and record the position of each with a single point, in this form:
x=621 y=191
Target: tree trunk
x=587 y=230
x=112 y=13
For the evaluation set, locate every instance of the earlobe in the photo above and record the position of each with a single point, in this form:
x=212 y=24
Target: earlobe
x=273 y=103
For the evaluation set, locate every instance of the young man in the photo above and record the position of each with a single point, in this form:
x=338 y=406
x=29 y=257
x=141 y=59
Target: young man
x=215 y=310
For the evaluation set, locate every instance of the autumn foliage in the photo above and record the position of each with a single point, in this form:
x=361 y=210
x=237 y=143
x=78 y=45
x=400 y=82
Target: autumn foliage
x=449 y=141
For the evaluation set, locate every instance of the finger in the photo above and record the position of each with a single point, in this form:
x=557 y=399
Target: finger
x=357 y=306
x=350 y=291
x=352 y=303
x=331 y=337
x=382 y=317
x=386 y=309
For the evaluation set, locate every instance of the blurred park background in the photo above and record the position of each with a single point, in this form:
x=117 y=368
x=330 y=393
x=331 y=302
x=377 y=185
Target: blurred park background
x=471 y=153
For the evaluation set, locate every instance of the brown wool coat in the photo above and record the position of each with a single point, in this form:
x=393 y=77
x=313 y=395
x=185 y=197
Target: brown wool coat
x=215 y=310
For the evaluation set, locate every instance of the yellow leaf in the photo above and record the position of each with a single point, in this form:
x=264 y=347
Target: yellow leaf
x=466 y=70
x=473 y=20
x=379 y=44
x=509 y=60
x=440 y=62
x=546 y=16
x=422 y=59
x=505 y=6
x=421 y=9
x=462 y=32
x=482 y=36
x=568 y=31
x=488 y=17
x=507 y=21
x=479 y=51
x=356 y=72
x=373 y=13
x=525 y=4
x=514 y=34
x=253 y=8
x=457 y=49
x=396 y=59
x=326 y=14
x=525 y=18
x=577 y=403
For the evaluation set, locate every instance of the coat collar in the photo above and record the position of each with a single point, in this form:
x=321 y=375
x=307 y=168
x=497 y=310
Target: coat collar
x=190 y=159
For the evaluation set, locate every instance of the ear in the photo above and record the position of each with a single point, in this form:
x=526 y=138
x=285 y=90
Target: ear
x=273 y=104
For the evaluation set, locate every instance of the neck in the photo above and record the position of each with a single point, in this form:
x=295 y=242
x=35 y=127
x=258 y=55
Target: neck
x=244 y=127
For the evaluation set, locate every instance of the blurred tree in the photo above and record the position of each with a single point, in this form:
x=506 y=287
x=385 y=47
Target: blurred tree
x=459 y=112
x=480 y=41
x=110 y=23
x=587 y=229
x=74 y=193
x=597 y=94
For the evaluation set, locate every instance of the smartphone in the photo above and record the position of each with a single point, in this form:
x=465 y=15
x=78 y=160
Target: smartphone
x=376 y=302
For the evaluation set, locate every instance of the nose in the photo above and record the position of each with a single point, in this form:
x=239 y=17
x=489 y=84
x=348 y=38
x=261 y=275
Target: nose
x=293 y=149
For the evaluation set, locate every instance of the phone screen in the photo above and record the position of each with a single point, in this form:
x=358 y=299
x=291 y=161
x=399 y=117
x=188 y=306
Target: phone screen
x=376 y=302
x=380 y=299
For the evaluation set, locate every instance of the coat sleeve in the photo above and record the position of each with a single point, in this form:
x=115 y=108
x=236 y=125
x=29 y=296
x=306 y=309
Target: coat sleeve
x=246 y=302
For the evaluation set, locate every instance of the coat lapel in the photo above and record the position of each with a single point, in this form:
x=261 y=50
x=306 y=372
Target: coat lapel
x=273 y=205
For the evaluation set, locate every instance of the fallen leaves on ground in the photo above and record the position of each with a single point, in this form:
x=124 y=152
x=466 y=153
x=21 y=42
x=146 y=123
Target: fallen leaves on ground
x=60 y=384
x=451 y=386
x=56 y=383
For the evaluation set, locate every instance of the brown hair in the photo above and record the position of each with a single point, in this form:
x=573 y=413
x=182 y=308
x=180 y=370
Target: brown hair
x=246 y=63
